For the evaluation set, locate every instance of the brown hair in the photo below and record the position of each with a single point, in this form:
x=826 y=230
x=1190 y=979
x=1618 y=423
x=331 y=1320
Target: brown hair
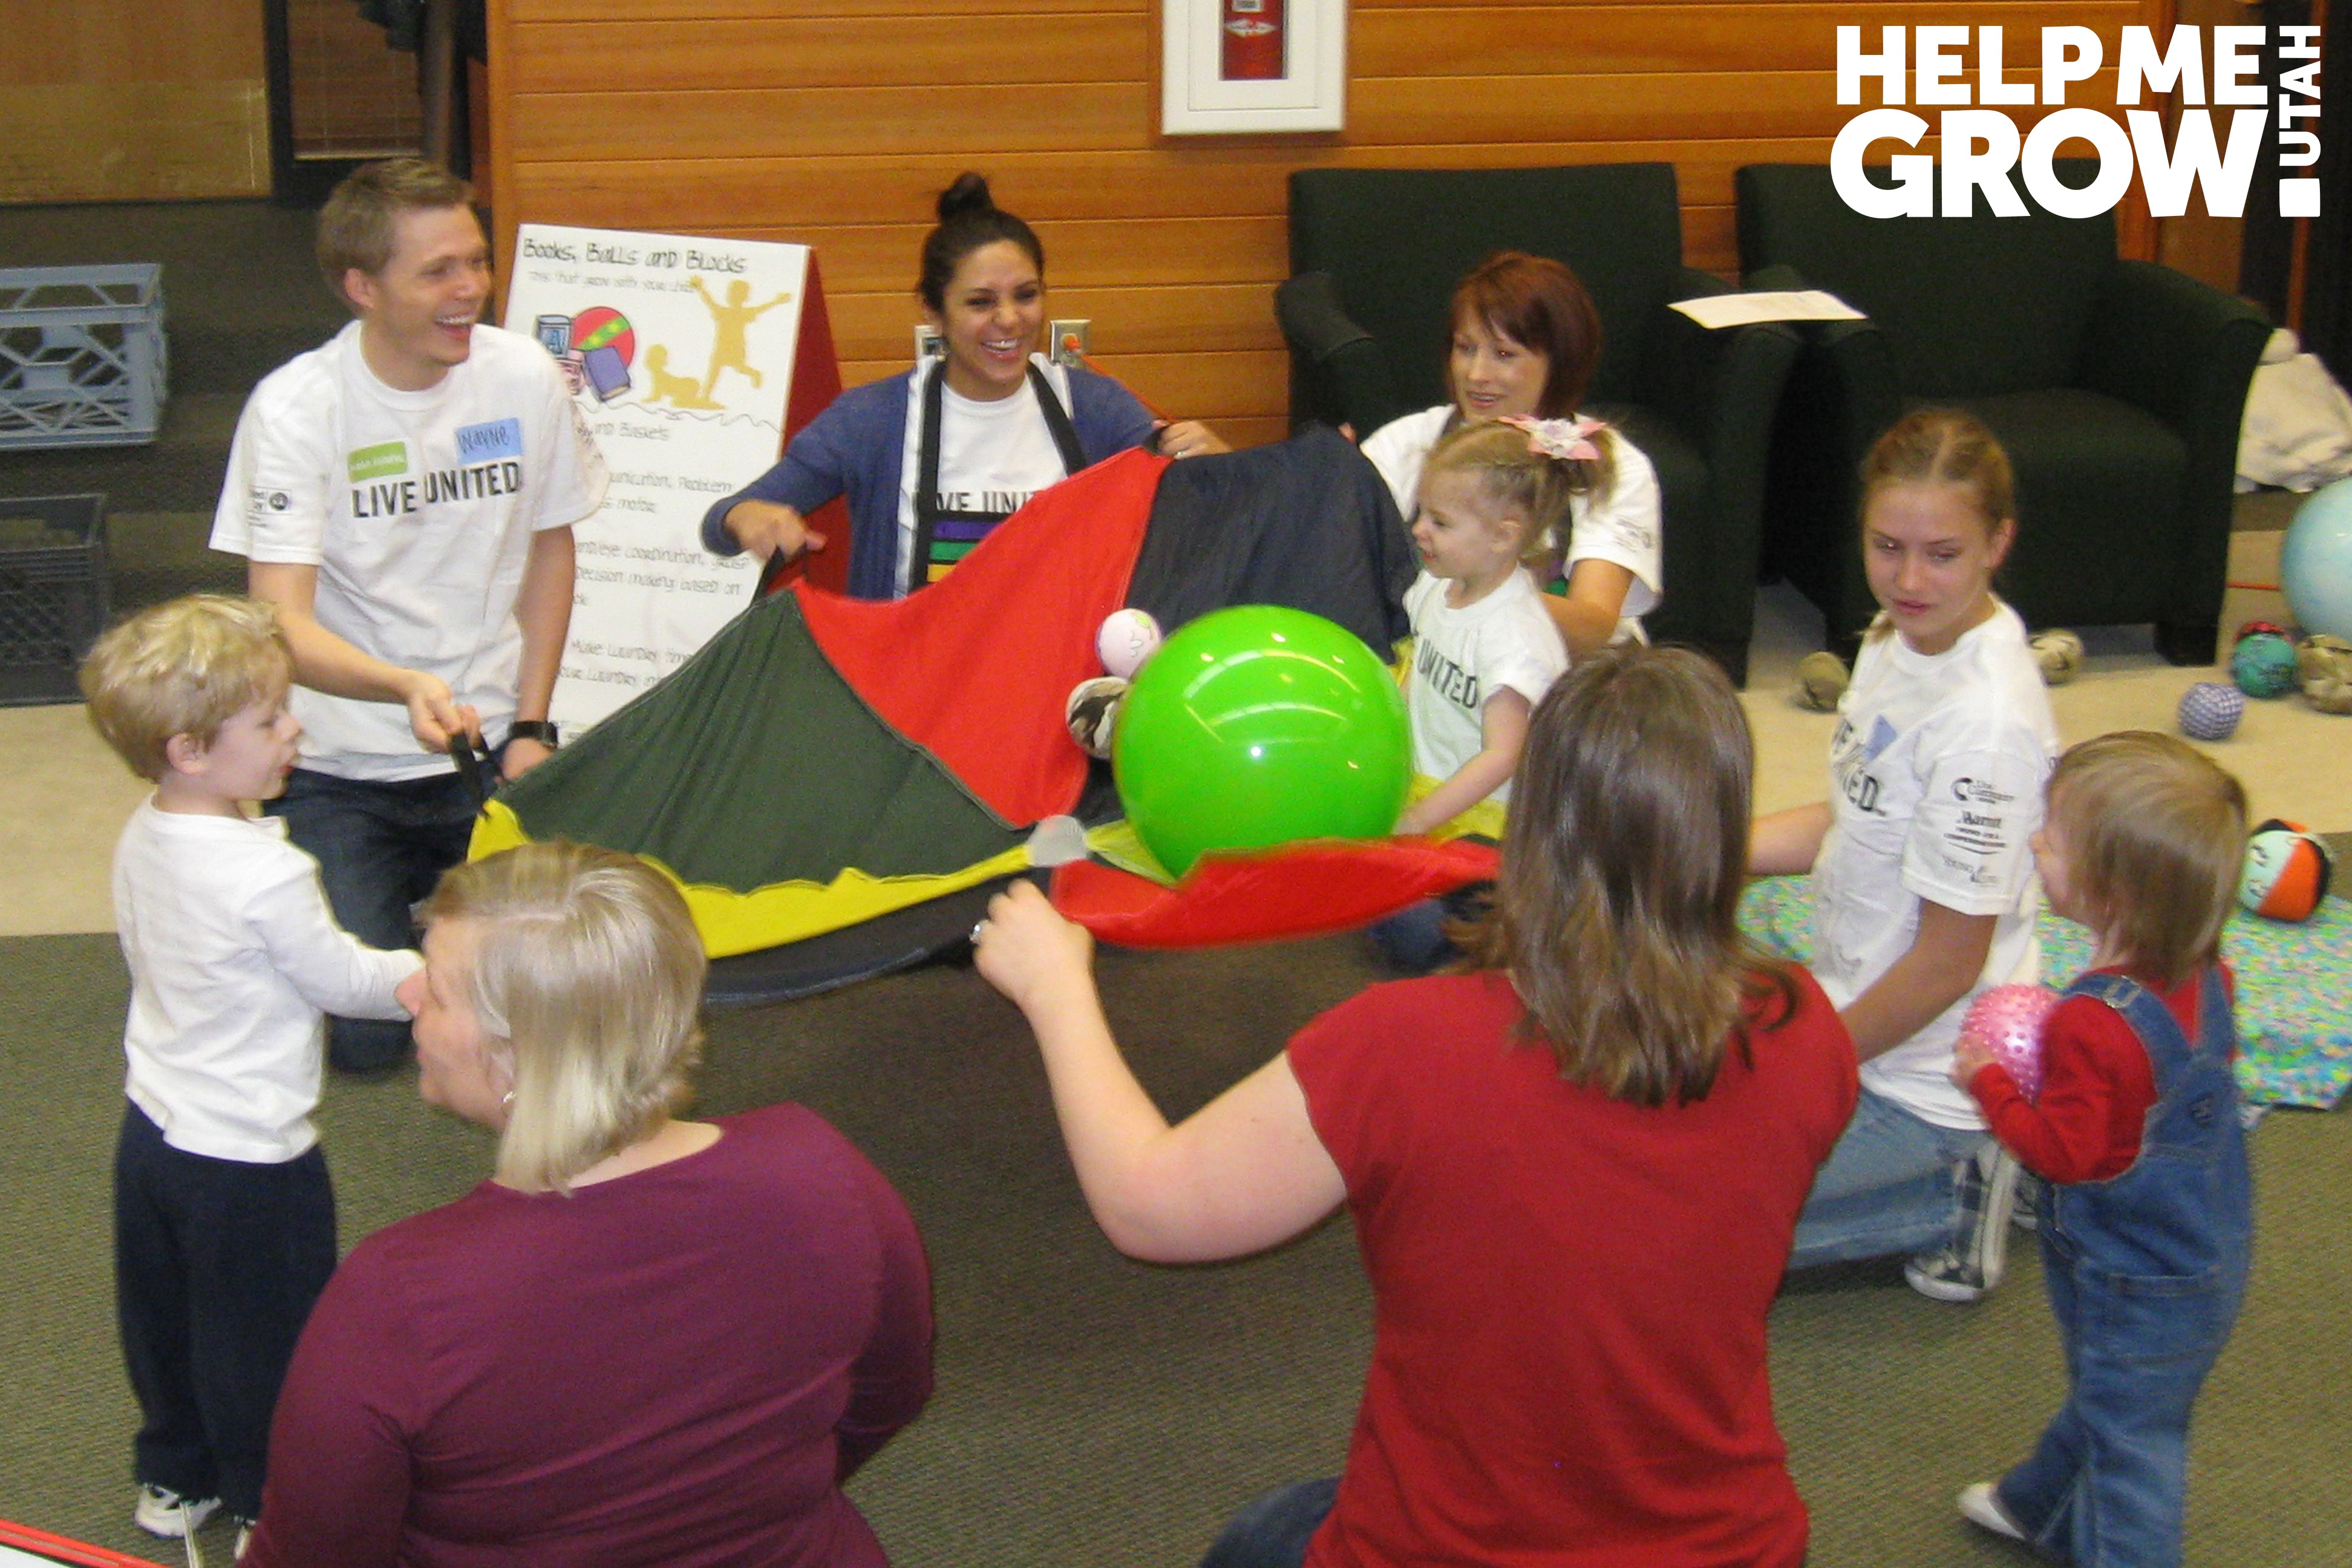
x=587 y=976
x=2155 y=836
x=1616 y=912
x=969 y=220
x=358 y=224
x=1535 y=301
x=185 y=668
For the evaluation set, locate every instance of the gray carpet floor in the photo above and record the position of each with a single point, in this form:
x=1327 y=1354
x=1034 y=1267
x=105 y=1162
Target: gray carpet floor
x=1091 y=1410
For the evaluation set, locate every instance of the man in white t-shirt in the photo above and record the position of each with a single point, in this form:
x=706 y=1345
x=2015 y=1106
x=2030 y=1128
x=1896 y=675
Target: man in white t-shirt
x=405 y=496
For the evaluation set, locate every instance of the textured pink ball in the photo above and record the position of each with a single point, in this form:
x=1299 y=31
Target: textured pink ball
x=2009 y=1018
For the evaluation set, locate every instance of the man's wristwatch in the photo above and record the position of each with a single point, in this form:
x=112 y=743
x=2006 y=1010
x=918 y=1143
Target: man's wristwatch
x=539 y=729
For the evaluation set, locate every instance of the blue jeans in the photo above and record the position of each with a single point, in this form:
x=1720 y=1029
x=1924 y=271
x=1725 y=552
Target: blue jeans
x=1414 y=940
x=1887 y=1187
x=1273 y=1531
x=2145 y=1272
x=381 y=847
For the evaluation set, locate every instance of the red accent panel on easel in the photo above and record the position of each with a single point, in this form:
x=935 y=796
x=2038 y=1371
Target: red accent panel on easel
x=816 y=382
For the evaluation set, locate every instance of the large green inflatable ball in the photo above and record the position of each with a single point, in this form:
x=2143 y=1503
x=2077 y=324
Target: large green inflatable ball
x=2315 y=564
x=1257 y=726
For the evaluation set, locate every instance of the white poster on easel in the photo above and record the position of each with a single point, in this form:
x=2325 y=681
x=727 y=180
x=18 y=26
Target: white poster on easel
x=681 y=351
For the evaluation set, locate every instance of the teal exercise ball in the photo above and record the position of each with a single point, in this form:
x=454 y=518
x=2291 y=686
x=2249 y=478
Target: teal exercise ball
x=2315 y=567
x=1257 y=726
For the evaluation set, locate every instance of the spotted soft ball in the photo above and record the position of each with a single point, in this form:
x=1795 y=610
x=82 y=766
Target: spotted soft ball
x=2009 y=1019
x=2210 y=710
x=2324 y=665
x=1092 y=712
x=2059 y=652
x=1821 y=679
x=2263 y=664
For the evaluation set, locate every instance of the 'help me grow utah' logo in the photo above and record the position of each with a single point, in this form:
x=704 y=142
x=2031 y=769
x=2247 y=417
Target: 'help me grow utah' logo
x=1982 y=146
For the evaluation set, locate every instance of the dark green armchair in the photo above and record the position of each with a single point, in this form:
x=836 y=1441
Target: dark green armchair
x=1374 y=257
x=2118 y=387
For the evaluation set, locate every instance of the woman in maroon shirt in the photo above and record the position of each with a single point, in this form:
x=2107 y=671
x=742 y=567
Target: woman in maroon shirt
x=647 y=1339
x=1574 y=1170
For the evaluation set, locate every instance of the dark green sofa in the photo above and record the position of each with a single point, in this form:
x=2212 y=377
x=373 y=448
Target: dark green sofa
x=2118 y=387
x=1375 y=255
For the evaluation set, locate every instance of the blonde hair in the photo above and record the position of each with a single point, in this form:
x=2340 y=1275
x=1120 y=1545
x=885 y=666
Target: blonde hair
x=1511 y=474
x=2155 y=838
x=1940 y=447
x=587 y=975
x=185 y=668
x=359 y=223
x=1616 y=913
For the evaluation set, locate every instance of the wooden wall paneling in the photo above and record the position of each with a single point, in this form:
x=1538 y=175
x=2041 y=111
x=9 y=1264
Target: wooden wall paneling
x=1195 y=318
x=1213 y=386
x=1169 y=181
x=805 y=52
x=1103 y=253
x=836 y=123
x=529 y=11
x=823 y=122
x=1473 y=40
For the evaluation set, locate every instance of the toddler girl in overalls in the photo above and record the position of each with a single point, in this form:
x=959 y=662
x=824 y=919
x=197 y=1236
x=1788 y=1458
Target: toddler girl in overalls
x=2148 y=1231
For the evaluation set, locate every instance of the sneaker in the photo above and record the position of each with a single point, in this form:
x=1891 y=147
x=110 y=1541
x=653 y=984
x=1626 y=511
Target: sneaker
x=1980 y=1508
x=1986 y=1189
x=162 y=1511
x=1945 y=1275
x=2032 y=1195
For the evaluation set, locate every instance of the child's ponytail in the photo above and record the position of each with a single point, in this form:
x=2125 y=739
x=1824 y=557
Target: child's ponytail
x=1534 y=467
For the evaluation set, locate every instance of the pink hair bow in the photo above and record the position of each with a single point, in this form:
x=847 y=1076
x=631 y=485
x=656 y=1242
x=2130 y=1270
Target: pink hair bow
x=1568 y=440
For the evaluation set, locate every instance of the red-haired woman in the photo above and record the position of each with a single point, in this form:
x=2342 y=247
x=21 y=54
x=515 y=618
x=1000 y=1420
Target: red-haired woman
x=1525 y=342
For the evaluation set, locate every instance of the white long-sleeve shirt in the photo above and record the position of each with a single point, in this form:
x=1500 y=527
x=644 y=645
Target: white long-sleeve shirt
x=235 y=958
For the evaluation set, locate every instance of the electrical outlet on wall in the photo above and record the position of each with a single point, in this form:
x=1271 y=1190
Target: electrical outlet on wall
x=929 y=343
x=1062 y=332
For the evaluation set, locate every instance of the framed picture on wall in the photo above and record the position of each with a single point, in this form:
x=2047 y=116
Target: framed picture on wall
x=1230 y=66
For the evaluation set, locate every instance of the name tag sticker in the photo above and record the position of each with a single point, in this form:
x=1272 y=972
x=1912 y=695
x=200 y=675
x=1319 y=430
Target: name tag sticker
x=498 y=438
x=380 y=462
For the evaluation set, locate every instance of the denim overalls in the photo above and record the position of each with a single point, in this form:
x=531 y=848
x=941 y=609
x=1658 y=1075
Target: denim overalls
x=2146 y=1271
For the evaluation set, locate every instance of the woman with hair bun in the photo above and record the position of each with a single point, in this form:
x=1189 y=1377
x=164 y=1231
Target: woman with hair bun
x=932 y=460
x=645 y=1339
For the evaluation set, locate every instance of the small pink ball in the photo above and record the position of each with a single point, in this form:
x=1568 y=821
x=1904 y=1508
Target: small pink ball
x=2009 y=1018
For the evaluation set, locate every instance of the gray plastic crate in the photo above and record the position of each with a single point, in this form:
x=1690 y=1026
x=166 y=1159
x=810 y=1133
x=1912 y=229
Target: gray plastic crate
x=82 y=360
x=52 y=595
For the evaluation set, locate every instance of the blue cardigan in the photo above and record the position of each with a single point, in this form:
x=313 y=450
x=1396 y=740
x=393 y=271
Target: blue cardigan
x=856 y=446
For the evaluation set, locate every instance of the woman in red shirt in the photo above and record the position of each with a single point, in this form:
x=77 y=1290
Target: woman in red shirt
x=1574 y=1170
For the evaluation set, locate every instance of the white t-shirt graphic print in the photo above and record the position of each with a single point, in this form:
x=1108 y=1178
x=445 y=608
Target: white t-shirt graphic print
x=417 y=509
x=1936 y=779
x=1462 y=657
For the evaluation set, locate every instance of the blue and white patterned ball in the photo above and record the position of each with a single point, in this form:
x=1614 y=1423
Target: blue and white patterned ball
x=2210 y=710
